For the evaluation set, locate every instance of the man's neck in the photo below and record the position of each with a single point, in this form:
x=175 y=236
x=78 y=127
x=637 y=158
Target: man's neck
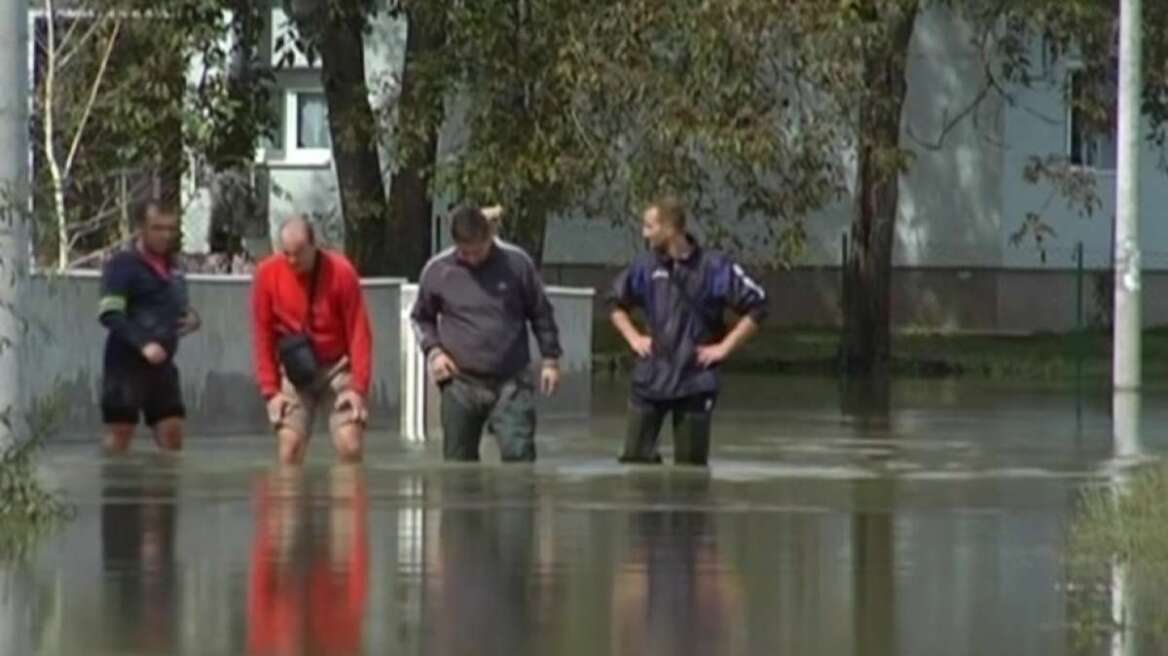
x=679 y=248
x=141 y=245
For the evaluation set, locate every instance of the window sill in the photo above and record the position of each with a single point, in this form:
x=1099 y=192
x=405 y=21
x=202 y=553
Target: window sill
x=1079 y=168
x=322 y=158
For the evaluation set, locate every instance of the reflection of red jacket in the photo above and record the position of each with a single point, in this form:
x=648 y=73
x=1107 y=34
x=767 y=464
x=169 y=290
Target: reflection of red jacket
x=310 y=606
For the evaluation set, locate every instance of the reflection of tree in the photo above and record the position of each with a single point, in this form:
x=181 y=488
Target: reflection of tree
x=674 y=595
x=482 y=589
x=867 y=401
x=873 y=585
x=309 y=569
x=138 y=543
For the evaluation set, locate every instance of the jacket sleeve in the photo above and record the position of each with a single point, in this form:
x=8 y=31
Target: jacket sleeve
x=358 y=333
x=627 y=291
x=115 y=299
x=263 y=345
x=541 y=315
x=741 y=292
x=424 y=316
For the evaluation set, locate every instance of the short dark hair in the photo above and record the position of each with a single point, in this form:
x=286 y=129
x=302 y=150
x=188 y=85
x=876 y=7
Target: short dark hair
x=468 y=225
x=156 y=205
x=670 y=210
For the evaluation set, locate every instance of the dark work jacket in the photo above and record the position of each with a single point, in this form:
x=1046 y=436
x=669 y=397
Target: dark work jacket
x=713 y=283
x=479 y=316
x=139 y=305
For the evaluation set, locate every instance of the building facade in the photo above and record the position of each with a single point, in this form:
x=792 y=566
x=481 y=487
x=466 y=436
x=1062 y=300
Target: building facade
x=958 y=262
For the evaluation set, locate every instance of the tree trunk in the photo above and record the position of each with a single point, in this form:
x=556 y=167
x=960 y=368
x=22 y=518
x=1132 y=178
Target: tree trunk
x=235 y=211
x=526 y=225
x=354 y=136
x=411 y=201
x=866 y=346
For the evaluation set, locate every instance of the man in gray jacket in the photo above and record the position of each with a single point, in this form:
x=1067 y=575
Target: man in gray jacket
x=475 y=301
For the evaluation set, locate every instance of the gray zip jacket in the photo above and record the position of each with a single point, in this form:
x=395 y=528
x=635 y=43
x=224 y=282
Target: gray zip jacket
x=479 y=316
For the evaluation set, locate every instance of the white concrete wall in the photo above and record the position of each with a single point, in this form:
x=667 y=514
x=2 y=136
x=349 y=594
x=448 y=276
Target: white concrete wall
x=63 y=353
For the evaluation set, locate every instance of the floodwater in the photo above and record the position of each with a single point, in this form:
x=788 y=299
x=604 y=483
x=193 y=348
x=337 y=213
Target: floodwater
x=930 y=518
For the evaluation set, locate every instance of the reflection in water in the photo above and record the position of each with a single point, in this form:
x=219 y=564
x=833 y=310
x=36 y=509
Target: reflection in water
x=867 y=400
x=673 y=594
x=874 y=583
x=137 y=555
x=309 y=566
x=482 y=590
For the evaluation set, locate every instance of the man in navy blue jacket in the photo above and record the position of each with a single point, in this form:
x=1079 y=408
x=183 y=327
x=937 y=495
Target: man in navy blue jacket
x=145 y=307
x=684 y=292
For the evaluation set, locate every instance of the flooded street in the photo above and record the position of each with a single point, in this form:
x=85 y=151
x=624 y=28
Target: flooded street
x=926 y=519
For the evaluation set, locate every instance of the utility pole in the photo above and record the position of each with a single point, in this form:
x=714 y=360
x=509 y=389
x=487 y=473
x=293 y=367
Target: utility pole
x=1126 y=347
x=14 y=94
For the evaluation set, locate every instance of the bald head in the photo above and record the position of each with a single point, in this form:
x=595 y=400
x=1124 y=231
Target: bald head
x=298 y=242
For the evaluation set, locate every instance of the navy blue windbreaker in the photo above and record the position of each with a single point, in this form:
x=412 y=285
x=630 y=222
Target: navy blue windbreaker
x=713 y=283
x=139 y=306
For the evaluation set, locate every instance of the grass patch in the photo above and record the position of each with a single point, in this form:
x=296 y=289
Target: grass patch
x=1121 y=528
x=1046 y=356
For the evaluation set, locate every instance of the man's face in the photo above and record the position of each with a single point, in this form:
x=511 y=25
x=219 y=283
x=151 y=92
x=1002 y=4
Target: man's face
x=655 y=231
x=298 y=250
x=160 y=232
x=473 y=254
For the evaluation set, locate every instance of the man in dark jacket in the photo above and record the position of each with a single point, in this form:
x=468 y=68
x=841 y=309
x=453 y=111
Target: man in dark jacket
x=145 y=307
x=475 y=302
x=683 y=291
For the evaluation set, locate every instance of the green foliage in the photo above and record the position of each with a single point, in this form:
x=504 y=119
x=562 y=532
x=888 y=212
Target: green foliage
x=27 y=508
x=147 y=121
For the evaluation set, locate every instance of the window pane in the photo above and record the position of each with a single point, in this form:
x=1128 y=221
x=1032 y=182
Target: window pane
x=311 y=121
x=1091 y=144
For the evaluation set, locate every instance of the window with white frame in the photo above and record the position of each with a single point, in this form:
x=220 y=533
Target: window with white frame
x=312 y=130
x=1091 y=141
x=302 y=131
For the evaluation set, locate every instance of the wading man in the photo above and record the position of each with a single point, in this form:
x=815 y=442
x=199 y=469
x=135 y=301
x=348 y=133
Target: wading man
x=145 y=307
x=312 y=343
x=475 y=303
x=683 y=291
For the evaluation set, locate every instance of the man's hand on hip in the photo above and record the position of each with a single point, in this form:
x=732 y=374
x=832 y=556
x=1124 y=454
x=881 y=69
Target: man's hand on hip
x=442 y=368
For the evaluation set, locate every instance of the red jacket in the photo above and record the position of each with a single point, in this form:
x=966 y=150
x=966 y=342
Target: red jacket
x=339 y=325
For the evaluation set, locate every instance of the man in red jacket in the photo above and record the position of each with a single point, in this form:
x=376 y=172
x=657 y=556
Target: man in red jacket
x=338 y=336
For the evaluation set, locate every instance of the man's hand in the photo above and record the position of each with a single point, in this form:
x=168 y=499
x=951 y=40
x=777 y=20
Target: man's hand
x=189 y=323
x=642 y=345
x=712 y=354
x=549 y=377
x=442 y=368
x=355 y=403
x=154 y=353
x=278 y=406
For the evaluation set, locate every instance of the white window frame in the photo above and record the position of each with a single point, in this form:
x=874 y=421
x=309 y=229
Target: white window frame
x=291 y=154
x=1072 y=70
